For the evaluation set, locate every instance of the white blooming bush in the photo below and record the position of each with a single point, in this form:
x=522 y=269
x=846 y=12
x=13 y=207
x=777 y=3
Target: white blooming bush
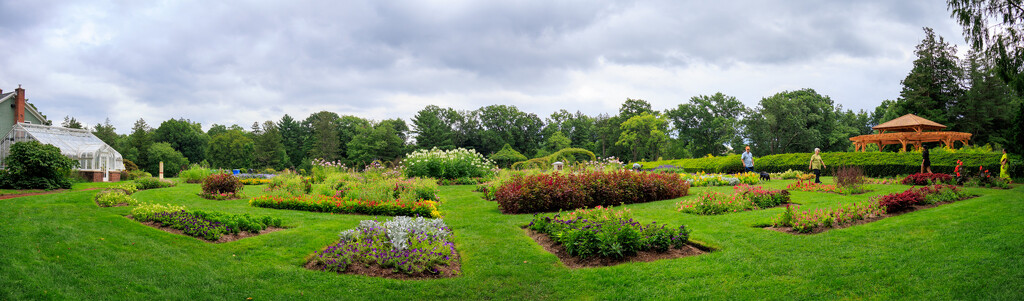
x=447 y=164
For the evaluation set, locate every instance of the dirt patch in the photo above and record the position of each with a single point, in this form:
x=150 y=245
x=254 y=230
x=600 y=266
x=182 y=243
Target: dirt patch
x=863 y=221
x=223 y=238
x=374 y=270
x=573 y=262
x=11 y=196
x=116 y=205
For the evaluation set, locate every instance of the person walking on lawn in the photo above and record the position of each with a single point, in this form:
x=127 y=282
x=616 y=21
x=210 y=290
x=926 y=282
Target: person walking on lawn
x=1004 y=166
x=816 y=165
x=926 y=163
x=748 y=160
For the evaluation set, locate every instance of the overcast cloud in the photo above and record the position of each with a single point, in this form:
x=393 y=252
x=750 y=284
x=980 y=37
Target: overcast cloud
x=236 y=62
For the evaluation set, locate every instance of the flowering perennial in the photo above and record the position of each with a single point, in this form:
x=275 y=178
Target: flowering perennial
x=567 y=191
x=447 y=164
x=405 y=244
x=333 y=204
x=203 y=224
x=604 y=232
x=744 y=197
x=928 y=179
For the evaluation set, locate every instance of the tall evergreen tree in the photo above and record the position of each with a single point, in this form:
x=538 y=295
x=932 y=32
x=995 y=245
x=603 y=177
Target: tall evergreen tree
x=933 y=85
x=269 y=148
x=293 y=137
x=140 y=140
x=432 y=129
x=71 y=123
x=105 y=131
x=324 y=142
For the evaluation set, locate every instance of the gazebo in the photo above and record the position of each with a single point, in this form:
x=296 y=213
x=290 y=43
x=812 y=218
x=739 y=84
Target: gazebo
x=909 y=129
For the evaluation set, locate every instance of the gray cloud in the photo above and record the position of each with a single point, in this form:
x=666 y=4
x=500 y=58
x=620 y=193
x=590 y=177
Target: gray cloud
x=225 y=62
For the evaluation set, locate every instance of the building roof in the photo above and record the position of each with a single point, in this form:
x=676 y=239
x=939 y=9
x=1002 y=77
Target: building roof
x=29 y=109
x=75 y=143
x=909 y=122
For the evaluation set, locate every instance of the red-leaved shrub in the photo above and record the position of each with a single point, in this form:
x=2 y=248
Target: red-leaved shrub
x=222 y=183
x=900 y=201
x=568 y=191
x=927 y=179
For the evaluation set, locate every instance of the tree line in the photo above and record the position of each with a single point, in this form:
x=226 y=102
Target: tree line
x=965 y=94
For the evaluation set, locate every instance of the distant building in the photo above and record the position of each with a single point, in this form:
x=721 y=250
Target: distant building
x=97 y=160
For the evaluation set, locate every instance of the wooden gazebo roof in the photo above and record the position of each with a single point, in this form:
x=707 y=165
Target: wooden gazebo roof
x=908 y=123
x=909 y=129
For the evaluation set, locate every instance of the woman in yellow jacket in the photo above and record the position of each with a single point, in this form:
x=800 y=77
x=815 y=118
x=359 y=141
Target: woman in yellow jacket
x=816 y=165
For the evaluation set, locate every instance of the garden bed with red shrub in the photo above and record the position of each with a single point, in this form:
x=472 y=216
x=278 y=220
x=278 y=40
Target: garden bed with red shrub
x=568 y=191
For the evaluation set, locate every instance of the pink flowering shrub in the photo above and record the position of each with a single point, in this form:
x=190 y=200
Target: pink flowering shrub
x=567 y=191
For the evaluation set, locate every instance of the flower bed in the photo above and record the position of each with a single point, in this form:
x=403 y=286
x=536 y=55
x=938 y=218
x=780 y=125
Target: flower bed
x=870 y=210
x=114 y=198
x=447 y=164
x=254 y=181
x=744 y=197
x=333 y=204
x=567 y=191
x=401 y=247
x=607 y=233
x=207 y=225
x=928 y=179
x=804 y=185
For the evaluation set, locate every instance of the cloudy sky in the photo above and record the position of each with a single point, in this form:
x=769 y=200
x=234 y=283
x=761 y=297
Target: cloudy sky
x=235 y=62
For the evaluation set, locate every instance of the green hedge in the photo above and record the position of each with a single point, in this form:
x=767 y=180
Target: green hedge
x=875 y=164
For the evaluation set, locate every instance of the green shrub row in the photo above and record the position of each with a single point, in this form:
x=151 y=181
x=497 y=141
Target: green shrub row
x=875 y=164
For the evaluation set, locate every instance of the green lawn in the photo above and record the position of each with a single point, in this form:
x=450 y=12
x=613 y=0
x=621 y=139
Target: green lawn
x=62 y=246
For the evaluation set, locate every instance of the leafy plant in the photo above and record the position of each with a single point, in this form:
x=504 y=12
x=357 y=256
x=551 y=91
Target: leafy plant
x=33 y=165
x=222 y=184
x=114 y=197
x=333 y=204
x=446 y=164
x=927 y=179
x=608 y=233
x=407 y=245
x=152 y=183
x=744 y=197
x=195 y=173
x=565 y=191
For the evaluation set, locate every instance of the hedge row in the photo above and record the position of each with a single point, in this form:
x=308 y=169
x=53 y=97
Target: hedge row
x=875 y=164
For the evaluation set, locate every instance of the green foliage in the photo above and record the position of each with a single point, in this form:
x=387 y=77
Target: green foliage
x=643 y=135
x=195 y=173
x=933 y=85
x=875 y=164
x=184 y=136
x=707 y=123
x=433 y=127
x=33 y=165
x=152 y=183
x=105 y=131
x=222 y=183
x=269 y=148
x=799 y=121
x=293 y=137
x=145 y=212
x=231 y=149
x=995 y=28
x=507 y=156
x=135 y=174
x=382 y=141
x=607 y=233
x=115 y=197
x=173 y=160
x=566 y=155
x=450 y=164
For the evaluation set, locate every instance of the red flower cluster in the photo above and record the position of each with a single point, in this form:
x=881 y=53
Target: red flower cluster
x=567 y=191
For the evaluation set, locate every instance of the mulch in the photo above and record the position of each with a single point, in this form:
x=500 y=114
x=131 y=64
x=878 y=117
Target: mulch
x=223 y=238
x=573 y=262
x=374 y=270
x=11 y=196
x=864 y=221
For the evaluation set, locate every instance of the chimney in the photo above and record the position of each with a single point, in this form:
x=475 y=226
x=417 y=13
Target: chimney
x=19 y=105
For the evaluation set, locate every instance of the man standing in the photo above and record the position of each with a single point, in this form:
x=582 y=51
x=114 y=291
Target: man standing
x=748 y=160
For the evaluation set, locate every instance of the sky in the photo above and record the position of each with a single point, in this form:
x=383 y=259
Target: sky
x=237 y=62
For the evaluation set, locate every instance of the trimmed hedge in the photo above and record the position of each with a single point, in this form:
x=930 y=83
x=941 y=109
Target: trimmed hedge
x=875 y=164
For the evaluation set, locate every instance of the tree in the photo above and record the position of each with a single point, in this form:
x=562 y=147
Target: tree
x=324 y=142
x=173 y=160
x=382 y=141
x=557 y=142
x=503 y=124
x=348 y=128
x=140 y=140
x=231 y=149
x=983 y=110
x=995 y=28
x=185 y=136
x=71 y=123
x=643 y=134
x=269 y=148
x=105 y=132
x=933 y=85
x=33 y=165
x=293 y=137
x=707 y=123
x=634 y=107
x=433 y=128
x=794 y=121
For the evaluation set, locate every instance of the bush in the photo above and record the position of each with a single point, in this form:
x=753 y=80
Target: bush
x=127 y=187
x=405 y=244
x=152 y=183
x=507 y=156
x=927 y=179
x=203 y=224
x=135 y=174
x=608 y=233
x=173 y=160
x=254 y=181
x=558 y=191
x=849 y=176
x=900 y=201
x=195 y=174
x=450 y=164
x=874 y=164
x=33 y=165
x=129 y=165
x=744 y=197
x=222 y=183
x=114 y=197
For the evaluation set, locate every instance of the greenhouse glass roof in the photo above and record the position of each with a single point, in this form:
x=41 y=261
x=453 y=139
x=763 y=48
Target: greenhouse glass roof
x=75 y=143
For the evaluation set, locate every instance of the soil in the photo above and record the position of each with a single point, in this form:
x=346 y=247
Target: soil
x=11 y=196
x=223 y=238
x=573 y=262
x=374 y=270
x=864 y=221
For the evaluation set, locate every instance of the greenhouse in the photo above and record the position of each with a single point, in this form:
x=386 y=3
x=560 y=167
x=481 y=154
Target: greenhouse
x=97 y=160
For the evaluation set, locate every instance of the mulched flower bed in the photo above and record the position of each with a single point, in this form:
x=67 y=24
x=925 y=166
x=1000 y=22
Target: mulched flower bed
x=444 y=271
x=223 y=239
x=691 y=249
x=863 y=221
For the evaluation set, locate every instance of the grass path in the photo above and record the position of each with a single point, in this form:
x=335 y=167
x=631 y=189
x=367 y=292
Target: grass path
x=62 y=246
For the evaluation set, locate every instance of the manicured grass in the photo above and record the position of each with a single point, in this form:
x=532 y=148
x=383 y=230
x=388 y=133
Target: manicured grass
x=62 y=246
